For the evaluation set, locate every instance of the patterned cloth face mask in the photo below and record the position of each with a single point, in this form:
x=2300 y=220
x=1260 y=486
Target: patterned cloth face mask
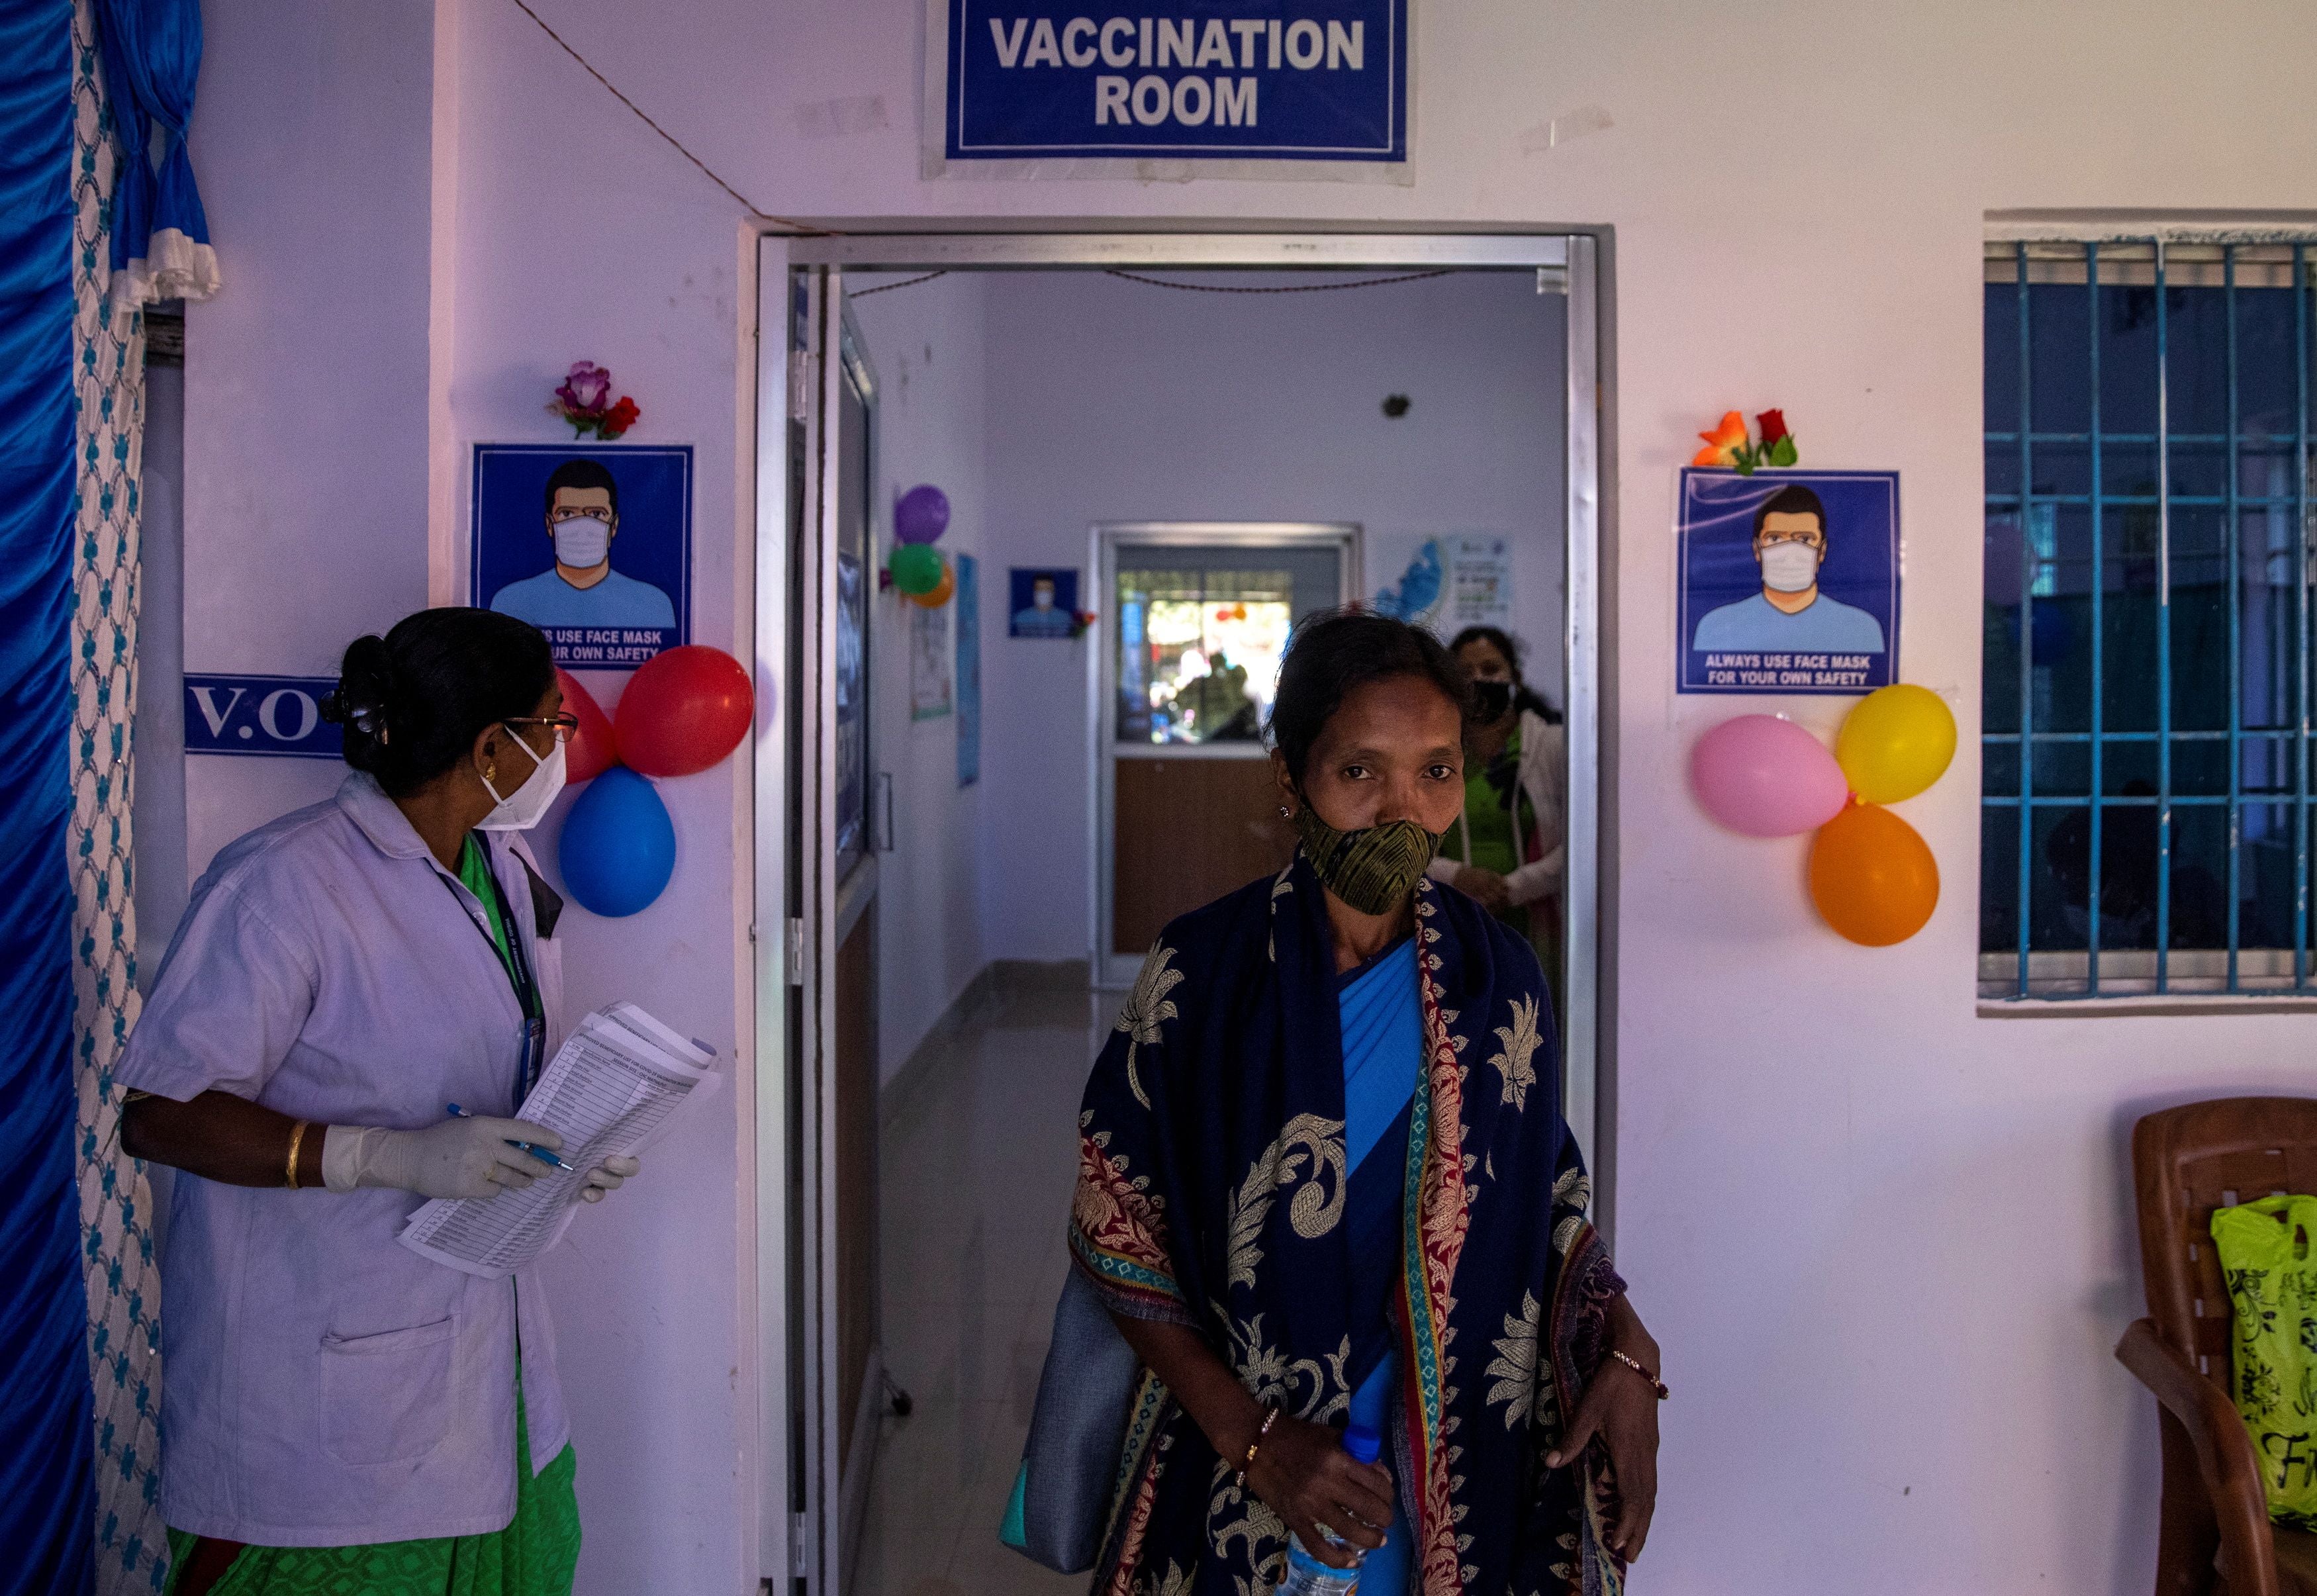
x=1373 y=869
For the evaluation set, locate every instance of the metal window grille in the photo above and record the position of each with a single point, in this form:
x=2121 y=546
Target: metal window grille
x=2145 y=799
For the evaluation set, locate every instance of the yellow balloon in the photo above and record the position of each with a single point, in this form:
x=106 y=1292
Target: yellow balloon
x=1898 y=741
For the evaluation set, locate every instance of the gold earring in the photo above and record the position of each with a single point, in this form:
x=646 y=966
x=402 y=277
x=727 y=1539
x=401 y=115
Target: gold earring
x=490 y=773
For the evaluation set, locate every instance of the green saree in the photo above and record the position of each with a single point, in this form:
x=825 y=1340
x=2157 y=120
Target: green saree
x=533 y=1555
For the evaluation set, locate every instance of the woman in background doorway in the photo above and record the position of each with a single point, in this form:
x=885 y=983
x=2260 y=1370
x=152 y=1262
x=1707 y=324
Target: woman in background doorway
x=1508 y=847
x=1324 y=1179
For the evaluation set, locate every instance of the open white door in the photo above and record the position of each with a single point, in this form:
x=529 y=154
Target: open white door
x=836 y=1371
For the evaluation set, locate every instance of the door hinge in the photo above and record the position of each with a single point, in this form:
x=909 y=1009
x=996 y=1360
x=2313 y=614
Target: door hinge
x=800 y=364
x=796 y=952
x=800 y=1549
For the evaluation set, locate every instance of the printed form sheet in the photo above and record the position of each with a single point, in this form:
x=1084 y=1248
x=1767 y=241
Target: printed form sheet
x=612 y=1088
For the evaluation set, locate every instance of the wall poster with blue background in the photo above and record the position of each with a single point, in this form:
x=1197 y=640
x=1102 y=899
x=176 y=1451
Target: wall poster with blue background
x=591 y=543
x=1203 y=81
x=1789 y=581
x=968 y=605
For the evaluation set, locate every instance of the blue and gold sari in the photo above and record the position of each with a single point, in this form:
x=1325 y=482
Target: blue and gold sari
x=1219 y=1189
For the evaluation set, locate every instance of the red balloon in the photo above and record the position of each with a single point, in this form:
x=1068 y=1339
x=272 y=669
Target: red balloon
x=594 y=748
x=686 y=710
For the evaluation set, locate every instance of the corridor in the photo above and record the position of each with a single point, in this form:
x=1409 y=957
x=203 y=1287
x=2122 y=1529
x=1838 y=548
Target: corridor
x=978 y=1160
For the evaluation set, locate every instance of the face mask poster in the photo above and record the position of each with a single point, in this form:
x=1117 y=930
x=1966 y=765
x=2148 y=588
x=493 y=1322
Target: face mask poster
x=592 y=545
x=1230 y=87
x=1789 y=581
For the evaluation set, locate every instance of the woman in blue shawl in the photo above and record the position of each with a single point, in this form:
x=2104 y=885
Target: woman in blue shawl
x=1324 y=1179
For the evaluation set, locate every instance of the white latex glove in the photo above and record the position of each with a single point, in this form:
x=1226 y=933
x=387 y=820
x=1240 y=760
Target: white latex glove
x=459 y=1158
x=607 y=1175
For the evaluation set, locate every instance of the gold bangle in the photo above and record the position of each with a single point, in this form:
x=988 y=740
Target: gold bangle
x=1646 y=1373
x=1270 y=1417
x=297 y=1134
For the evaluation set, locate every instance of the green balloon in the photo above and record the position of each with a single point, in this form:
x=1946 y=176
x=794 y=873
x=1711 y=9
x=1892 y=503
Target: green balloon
x=917 y=568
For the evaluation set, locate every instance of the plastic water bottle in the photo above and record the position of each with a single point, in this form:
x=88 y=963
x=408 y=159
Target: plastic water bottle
x=1306 y=1574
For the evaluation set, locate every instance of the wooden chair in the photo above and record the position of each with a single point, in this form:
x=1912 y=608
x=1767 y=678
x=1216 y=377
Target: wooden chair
x=2214 y=1533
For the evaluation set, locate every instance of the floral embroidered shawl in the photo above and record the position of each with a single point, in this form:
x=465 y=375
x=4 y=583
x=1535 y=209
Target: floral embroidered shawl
x=1212 y=1193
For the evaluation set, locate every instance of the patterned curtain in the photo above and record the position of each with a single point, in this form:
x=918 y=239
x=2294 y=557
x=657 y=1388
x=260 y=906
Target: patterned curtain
x=116 y=1209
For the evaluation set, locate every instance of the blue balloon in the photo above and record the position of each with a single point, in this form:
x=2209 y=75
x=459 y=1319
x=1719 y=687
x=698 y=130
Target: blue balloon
x=618 y=848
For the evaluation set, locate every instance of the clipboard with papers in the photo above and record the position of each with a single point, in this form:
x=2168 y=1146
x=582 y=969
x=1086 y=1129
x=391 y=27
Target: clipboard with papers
x=612 y=1089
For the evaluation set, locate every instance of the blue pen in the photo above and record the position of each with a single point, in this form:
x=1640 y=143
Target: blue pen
x=537 y=1152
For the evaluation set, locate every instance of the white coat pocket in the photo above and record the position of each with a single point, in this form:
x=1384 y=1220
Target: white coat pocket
x=386 y=1398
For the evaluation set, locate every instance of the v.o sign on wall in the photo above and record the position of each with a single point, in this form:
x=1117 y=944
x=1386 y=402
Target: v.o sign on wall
x=259 y=714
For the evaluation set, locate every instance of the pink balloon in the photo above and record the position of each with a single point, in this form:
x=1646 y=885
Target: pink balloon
x=1767 y=778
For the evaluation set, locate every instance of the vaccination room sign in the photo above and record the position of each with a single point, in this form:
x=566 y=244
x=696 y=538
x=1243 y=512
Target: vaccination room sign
x=1196 y=80
x=592 y=545
x=1789 y=581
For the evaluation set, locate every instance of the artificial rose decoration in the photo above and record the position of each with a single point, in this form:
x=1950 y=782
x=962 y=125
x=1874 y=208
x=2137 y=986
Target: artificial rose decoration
x=1727 y=446
x=584 y=399
x=1723 y=442
x=587 y=387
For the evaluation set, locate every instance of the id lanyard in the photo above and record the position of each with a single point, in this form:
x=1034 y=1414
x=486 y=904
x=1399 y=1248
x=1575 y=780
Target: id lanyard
x=517 y=967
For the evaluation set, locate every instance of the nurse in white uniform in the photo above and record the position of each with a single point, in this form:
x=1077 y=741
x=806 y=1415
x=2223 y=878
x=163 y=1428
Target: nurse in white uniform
x=338 y=1413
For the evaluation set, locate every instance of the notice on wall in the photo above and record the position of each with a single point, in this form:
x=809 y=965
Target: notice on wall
x=967 y=604
x=1228 y=88
x=1452 y=583
x=276 y=715
x=1789 y=581
x=1041 y=601
x=590 y=544
x=1480 y=584
x=929 y=692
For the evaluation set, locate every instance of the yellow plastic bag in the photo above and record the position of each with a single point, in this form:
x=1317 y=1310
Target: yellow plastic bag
x=2268 y=1259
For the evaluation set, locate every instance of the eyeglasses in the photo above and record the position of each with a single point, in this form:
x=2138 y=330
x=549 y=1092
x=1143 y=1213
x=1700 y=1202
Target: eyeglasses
x=567 y=724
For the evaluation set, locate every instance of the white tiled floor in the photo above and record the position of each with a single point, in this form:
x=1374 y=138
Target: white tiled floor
x=976 y=1167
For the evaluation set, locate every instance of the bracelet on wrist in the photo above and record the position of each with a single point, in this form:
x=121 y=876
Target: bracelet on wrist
x=1643 y=1370
x=1270 y=1417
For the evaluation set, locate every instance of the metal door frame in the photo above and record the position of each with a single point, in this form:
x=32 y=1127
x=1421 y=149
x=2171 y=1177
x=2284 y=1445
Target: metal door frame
x=1107 y=967
x=797 y=1537
x=826 y=908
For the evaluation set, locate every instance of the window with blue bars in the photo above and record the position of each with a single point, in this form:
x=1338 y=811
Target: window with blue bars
x=2146 y=800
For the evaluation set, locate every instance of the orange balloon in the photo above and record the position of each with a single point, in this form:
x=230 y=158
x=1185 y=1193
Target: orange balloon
x=1872 y=876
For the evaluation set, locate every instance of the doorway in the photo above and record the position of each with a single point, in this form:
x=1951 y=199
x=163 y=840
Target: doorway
x=1187 y=615
x=1195 y=617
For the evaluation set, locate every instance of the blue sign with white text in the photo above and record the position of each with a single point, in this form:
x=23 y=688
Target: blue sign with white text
x=1789 y=581
x=280 y=715
x=590 y=543
x=1304 y=80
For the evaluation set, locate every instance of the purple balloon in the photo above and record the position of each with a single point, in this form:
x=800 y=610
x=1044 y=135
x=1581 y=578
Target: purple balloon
x=922 y=515
x=1767 y=778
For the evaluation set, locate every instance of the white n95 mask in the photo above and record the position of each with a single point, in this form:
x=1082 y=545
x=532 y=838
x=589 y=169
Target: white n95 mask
x=520 y=809
x=1789 y=566
x=582 y=542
